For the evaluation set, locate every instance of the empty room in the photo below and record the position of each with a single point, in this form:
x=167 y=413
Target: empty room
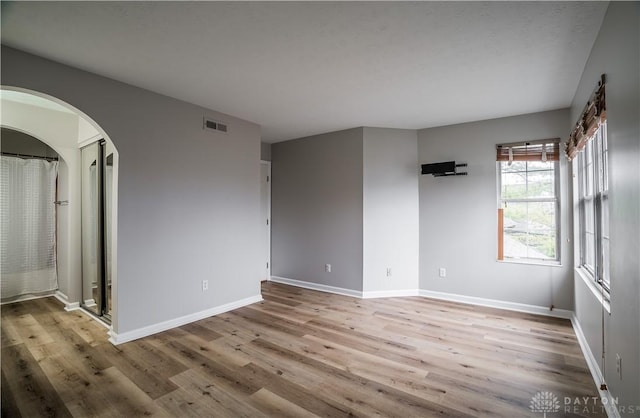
x=331 y=209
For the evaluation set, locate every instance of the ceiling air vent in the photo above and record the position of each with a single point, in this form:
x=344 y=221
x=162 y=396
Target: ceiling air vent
x=215 y=125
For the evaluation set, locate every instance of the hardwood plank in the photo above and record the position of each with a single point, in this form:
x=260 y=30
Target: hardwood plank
x=275 y=406
x=143 y=366
x=367 y=396
x=125 y=399
x=8 y=405
x=201 y=331
x=32 y=333
x=10 y=335
x=297 y=353
x=214 y=396
x=299 y=395
x=33 y=393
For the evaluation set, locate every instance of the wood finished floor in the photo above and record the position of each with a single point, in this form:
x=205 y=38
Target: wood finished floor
x=299 y=353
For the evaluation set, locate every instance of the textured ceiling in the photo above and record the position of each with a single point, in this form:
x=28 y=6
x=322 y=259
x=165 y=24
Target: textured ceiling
x=302 y=68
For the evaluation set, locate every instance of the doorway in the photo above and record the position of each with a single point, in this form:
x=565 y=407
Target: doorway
x=265 y=216
x=97 y=185
x=67 y=130
x=28 y=208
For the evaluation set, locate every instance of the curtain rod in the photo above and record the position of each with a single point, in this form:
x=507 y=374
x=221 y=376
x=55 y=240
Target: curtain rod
x=549 y=141
x=27 y=156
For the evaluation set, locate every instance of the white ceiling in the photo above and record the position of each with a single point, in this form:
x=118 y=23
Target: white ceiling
x=302 y=68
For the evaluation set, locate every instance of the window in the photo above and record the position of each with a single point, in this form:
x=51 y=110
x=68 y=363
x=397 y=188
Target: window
x=587 y=147
x=528 y=214
x=593 y=207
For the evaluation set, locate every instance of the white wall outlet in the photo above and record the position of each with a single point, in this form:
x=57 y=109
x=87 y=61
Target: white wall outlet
x=388 y=271
x=205 y=285
x=327 y=268
x=442 y=272
x=619 y=365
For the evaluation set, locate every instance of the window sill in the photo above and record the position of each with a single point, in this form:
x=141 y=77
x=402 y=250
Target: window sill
x=531 y=262
x=595 y=288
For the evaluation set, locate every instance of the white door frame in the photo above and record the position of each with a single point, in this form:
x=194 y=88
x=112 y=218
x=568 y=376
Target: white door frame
x=268 y=166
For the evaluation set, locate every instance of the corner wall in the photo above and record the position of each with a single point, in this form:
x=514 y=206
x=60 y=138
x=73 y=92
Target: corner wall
x=390 y=236
x=188 y=199
x=458 y=215
x=616 y=53
x=316 y=209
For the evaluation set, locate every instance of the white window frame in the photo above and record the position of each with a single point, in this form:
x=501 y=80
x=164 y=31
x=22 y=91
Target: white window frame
x=555 y=199
x=598 y=271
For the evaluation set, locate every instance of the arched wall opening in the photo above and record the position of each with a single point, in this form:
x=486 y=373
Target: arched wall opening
x=66 y=130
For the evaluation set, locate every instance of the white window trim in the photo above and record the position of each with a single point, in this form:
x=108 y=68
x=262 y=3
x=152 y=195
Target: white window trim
x=592 y=276
x=536 y=261
x=594 y=287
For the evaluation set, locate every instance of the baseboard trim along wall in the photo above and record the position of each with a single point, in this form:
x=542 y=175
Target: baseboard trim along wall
x=121 y=338
x=493 y=303
x=472 y=300
x=68 y=306
x=72 y=306
x=594 y=368
x=372 y=294
x=317 y=286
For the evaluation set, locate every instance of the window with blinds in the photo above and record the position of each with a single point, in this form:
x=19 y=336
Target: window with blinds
x=528 y=203
x=589 y=150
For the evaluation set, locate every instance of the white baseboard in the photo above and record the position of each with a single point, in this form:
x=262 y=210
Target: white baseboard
x=68 y=306
x=90 y=303
x=120 y=338
x=371 y=294
x=493 y=303
x=511 y=306
x=594 y=368
x=61 y=297
x=318 y=286
x=73 y=306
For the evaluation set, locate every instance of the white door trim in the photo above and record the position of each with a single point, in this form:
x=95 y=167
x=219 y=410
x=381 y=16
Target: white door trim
x=268 y=165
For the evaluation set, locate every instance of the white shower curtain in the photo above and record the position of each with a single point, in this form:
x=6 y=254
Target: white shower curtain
x=28 y=226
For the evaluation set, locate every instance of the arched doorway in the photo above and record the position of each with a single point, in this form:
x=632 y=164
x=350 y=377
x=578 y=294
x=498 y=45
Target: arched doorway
x=68 y=131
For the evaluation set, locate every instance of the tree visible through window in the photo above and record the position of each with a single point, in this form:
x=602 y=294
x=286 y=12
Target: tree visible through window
x=528 y=201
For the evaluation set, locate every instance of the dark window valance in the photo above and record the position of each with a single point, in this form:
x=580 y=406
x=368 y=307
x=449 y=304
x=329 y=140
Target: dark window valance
x=594 y=113
x=538 y=150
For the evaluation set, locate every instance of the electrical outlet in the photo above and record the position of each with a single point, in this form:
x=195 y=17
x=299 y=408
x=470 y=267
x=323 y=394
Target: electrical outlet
x=619 y=366
x=327 y=268
x=388 y=271
x=442 y=272
x=205 y=285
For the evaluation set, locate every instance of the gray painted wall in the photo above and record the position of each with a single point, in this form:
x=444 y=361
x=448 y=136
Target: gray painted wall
x=458 y=215
x=189 y=199
x=265 y=151
x=390 y=181
x=616 y=53
x=316 y=206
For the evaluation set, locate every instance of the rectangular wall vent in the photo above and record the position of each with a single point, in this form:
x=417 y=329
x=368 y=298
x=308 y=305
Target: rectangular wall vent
x=215 y=125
